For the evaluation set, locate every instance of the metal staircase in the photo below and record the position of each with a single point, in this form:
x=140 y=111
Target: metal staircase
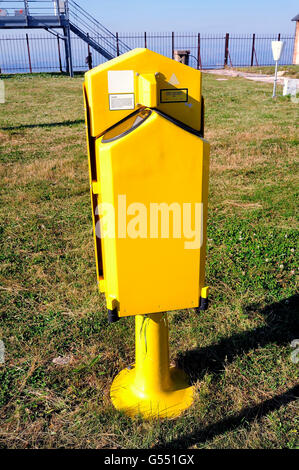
x=65 y=14
x=93 y=32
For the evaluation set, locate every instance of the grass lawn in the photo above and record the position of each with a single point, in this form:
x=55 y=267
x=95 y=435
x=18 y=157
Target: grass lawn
x=290 y=71
x=238 y=353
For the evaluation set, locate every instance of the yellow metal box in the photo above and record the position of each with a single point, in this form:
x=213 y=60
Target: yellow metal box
x=149 y=169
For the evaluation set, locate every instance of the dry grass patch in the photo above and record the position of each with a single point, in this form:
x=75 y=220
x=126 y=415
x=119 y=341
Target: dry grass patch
x=237 y=352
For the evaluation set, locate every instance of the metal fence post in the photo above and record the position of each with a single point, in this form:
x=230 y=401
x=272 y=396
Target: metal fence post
x=28 y=50
x=226 y=49
x=253 y=49
x=209 y=45
x=117 y=45
x=89 y=56
x=199 y=64
x=172 y=45
x=59 y=55
x=66 y=48
x=67 y=40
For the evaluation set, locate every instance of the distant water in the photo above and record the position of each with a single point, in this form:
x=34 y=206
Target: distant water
x=44 y=51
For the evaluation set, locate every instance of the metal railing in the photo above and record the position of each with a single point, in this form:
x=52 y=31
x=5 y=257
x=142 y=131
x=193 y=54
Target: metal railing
x=31 y=7
x=96 y=30
x=66 y=14
x=38 y=52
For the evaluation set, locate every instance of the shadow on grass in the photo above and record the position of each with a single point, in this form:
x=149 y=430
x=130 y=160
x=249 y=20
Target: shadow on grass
x=247 y=415
x=43 y=124
x=281 y=329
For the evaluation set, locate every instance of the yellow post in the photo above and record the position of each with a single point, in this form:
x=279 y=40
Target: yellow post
x=145 y=128
x=151 y=387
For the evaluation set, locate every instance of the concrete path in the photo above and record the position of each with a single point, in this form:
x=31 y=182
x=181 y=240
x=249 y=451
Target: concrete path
x=257 y=77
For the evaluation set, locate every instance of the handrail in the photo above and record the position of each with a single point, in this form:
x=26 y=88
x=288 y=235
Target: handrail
x=30 y=6
x=89 y=16
x=69 y=13
x=78 y=12
x=105 y=39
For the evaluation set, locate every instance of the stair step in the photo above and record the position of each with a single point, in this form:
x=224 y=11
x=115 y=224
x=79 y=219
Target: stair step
x=91 y=42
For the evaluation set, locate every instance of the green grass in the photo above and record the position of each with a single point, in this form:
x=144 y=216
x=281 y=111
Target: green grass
x=237 y=353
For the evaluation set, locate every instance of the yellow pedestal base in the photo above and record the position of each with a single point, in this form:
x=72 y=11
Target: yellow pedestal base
x=170 y=403
x=151 y=388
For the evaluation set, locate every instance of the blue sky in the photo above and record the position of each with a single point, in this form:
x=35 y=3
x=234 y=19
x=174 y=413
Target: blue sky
x=211 y=16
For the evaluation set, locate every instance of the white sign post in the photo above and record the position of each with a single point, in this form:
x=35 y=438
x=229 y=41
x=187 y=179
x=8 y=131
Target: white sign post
x=277 y=47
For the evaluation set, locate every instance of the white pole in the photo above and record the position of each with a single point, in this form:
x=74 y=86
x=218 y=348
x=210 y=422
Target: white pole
x=275 y=80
